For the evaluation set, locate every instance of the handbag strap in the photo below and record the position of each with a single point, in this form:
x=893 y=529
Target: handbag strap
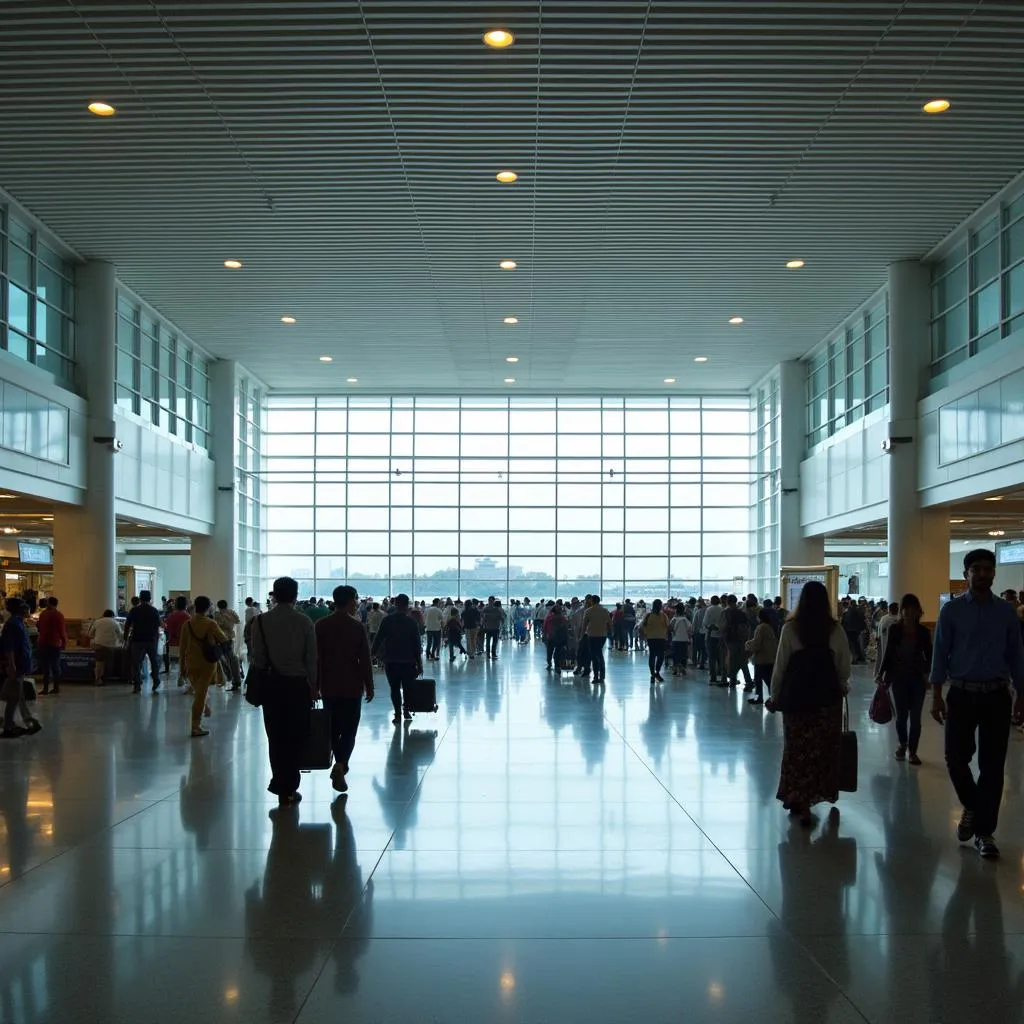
x=266 y=648
x=846 y=714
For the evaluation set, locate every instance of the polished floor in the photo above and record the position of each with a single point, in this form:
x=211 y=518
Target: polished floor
x=536 y=851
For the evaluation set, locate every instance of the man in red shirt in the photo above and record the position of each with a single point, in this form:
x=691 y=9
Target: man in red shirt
x=52 y=639
x=344 y=674
x=172 y=627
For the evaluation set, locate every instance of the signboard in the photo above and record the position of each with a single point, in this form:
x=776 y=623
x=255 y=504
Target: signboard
x=1010 y=553
x=794 y=578
x=34 y=554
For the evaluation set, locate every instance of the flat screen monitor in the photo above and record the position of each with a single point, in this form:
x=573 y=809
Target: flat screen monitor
x=1010 y=553
x=34 y=554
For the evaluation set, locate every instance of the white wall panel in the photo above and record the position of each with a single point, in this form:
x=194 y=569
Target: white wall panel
x=160 y=481
x=42 y=434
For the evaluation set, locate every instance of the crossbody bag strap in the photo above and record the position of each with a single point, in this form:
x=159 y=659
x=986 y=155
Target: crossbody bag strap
x=266 y=648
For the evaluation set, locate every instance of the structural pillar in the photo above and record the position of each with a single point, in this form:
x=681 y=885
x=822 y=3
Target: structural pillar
x=918 y=537
x=794 y=547
x=215 y=556
x=84 y=538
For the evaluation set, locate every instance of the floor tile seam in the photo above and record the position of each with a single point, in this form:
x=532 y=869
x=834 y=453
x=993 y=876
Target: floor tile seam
x=695 y=824
x=35 y=867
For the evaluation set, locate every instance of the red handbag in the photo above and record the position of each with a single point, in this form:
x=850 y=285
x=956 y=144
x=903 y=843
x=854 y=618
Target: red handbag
x=880 y=711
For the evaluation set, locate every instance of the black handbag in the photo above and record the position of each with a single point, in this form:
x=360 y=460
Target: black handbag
x=847 y=754
x=258 y=680
x=316 y=751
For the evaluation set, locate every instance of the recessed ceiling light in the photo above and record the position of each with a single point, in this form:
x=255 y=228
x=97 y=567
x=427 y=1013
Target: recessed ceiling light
x=508 y=264
x=700 y=359
x=288 y=320
x=499 y=38
x=511 y=359
x=510 y=320
x=507 y=177
x=101 y=109
x=352 y=380
x=998 y=497
x=736 y=320
x=794 y=264
x=510 y=380
x=47 y=519
x=997 y=533
x=670 y=380
x=954 y=521
x=233 y=264
x=936 y=106
x=327 y=359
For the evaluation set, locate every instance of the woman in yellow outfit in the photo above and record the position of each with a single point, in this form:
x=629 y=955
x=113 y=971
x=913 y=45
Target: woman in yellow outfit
x=198 y=632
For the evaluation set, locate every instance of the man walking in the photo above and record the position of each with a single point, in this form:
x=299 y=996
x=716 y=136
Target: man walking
x=143 y=626
x=596 y=620
x=492 y=621
x=737 y=633
x=345 y=676
x=979 y=652
x=853 y=626
x=714 y=622
x=227 y=619
x=471 y=624
x=434 y=623
x=399 y=639
x=52 y=639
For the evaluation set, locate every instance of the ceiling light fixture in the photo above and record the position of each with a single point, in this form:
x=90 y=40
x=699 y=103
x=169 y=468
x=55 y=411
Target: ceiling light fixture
x=499 y=38
x=794 y=264
x=288 y=320
x=101 y=109
x=997 y=497
x=352 y=380
x=510 y=320
x=510 y=380
x=937 y=106
x=670 y=380
x=508 y=264
x=700 y=359
x=507 y=177
x=511 y=359
x=327 y=359
x=233 y=264
x=47 y=519
x=956 y=521
x=736 y=320
x=997 y=533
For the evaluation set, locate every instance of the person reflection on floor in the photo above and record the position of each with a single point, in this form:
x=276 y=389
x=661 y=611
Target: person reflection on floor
x=314 y=890
x=410 y=750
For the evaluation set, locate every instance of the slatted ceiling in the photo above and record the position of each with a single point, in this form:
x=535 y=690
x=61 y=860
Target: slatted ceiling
x=672 y=157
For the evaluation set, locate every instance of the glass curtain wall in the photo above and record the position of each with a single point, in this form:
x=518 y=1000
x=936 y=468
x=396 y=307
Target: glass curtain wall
x=765 y=491
x=37 y=294
x=251 y=417
x=516 y=497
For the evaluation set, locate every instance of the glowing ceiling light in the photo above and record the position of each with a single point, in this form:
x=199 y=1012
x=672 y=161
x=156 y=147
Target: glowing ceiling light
x=510 y=320
x=794 y=264
x=510 y=380
x=233 y=264
x=736 y=320
x=511 y=359
x=508 y=264
x=997 y=497
x=997 y=533
x=101 y=109
x=288 y=320
x=507 y=177
x=956 y=521
x=499 y=38
x=352 y=380
x=327 y=359
x=670 y=380
x=700 y=359
x=937 y=106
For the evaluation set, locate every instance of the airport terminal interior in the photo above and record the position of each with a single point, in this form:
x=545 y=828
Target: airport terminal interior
x=605 y=303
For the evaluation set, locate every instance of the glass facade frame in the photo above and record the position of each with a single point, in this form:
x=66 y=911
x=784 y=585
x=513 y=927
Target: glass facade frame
x=977 y=288
x=250 y=419
x=765 y=488
x=37 y=299
x=161 y=376
x=848 y=374
x=512 y=496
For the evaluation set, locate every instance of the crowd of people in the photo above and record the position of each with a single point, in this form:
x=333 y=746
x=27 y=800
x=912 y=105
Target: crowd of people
x=329 y=650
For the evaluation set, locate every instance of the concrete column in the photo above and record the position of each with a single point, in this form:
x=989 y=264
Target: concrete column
x=794 y=547
x=215 y=557
x=84 y=551
x=918 y=538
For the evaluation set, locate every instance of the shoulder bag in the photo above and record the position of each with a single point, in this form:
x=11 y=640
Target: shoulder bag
x=211 y=652
x=259 y=680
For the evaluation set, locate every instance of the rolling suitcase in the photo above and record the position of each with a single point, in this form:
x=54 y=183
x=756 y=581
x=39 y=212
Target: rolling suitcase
x=421 y=695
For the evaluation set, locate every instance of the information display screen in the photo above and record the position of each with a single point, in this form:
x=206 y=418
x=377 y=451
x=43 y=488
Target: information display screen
x=1011 y=553
x=34 y=554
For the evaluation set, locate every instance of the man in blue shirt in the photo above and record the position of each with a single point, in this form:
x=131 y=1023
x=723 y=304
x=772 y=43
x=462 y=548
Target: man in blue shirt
x=979 y=652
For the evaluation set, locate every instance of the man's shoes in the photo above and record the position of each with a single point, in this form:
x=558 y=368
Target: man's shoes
x=408 y=716
x=965 y=829
x=914 y=759
x=338 y=778
x=986 y=846
x=136 y=689
x=13 y=733
x=901 y=753
x=200 y=731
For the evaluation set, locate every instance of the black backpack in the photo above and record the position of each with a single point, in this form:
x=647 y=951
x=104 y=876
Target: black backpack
x=811 y=682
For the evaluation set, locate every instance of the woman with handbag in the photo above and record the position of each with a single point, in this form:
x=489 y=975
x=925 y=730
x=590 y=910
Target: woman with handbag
x=809 y=683
x=201 y=645
x=15 y=671
x=903 y=669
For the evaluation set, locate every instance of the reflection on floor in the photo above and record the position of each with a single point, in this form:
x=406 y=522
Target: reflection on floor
x=536 y=851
